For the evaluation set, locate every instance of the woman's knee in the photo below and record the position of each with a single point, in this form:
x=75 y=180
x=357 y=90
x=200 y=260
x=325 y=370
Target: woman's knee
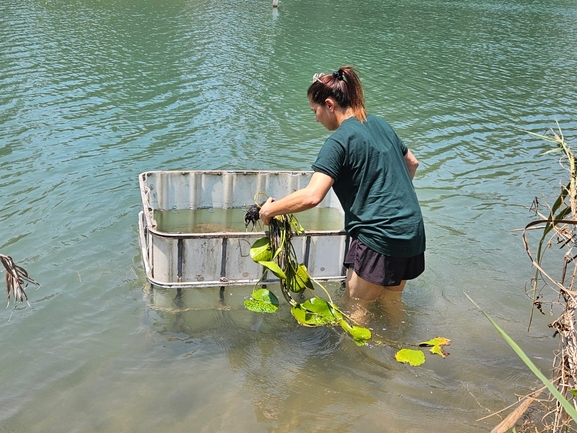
x=361 y=289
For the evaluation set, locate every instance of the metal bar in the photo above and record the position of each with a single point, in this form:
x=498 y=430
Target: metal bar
x=223 y=261
x=347 y=244
x=234 y=235
x=307 y=251
x=179 y=264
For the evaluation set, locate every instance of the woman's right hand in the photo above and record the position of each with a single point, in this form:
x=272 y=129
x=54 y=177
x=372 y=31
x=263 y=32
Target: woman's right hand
x=265 y=212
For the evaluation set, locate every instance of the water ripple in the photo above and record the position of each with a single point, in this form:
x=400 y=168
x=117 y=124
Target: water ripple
x=94 y=93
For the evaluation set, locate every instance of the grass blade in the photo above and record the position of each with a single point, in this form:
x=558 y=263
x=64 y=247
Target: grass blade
x=562 y=400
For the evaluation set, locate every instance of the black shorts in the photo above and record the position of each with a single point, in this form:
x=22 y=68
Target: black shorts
x=380 y=269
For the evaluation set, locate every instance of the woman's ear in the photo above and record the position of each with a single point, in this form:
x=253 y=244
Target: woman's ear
x=330 y=103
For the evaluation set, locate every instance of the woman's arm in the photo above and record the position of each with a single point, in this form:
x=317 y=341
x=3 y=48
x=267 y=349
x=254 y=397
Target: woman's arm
x=298 y=201
x=412 y=163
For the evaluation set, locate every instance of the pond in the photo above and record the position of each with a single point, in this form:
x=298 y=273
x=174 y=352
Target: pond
x=95 y=93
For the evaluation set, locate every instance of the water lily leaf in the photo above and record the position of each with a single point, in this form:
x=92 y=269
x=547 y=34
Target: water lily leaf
x=316 y=312
x=307 y=318
x=302 y=275
x=437 y=345
x=323 y=308
x=259 y=306
x=413 y=357
x=263 y=301
x=360 y=335
x=261 y=251
x=299 y=280
x=265 y=295
x=274 y=268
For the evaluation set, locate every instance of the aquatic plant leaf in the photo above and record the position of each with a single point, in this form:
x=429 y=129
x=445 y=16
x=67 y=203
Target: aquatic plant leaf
x=437 y=345
x=322 y=307
x=413 y=357
x=307 y=318
x=303 y=276
x=265 y=295
x=296 y=225
x=261 y=251
x=299 y=280
x=360 y=335
x=292 y=282
x=316 y=312
x=259 y=306
x=274 y=268
x=263 y=301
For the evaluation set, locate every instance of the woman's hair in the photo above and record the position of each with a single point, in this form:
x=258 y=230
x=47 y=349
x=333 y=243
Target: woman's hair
x=344 y=86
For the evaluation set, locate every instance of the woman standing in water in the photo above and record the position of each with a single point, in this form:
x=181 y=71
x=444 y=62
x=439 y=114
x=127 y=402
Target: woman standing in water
x=371 y=171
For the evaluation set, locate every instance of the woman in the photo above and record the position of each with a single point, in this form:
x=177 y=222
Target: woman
x=371 y=172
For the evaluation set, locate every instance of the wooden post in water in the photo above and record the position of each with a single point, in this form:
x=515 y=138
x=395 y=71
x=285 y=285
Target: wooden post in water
x=275 y=3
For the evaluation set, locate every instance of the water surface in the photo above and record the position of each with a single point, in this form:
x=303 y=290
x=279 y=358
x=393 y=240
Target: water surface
x=94 y=93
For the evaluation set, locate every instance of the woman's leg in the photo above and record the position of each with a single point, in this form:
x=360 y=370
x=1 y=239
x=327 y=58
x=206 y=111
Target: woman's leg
x=360 y=293
x=362 y=290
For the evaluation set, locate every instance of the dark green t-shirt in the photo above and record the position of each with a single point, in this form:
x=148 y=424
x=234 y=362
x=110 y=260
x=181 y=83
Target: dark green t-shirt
x=372 y=182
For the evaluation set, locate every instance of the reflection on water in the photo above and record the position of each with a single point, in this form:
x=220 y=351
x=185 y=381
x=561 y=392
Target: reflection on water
x=289 y=372
x=95 y=93
x=285 y=366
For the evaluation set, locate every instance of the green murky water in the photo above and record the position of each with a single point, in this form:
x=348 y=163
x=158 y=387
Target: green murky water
x=92 y=93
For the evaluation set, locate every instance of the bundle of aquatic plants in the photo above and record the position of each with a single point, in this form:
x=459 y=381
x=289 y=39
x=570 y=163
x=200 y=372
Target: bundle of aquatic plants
x=276 y=254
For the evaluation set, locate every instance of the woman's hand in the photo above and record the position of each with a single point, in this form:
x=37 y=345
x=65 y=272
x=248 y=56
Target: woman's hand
x=265 y=212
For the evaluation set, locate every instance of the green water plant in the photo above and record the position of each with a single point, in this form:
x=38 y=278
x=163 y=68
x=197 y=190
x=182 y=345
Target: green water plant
x=276 y=254
x=416 y=357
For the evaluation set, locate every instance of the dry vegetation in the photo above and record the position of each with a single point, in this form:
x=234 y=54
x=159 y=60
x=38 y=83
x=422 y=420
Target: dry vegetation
x=553 y=291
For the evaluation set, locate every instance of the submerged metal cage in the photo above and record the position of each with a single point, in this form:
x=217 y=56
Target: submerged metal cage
x=221 y=258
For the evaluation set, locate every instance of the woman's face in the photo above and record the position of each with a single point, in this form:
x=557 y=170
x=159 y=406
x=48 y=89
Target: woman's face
x=325 y=114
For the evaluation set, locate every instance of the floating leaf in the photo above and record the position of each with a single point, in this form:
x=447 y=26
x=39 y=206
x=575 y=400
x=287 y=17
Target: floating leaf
x=412 y=356
x=263 y=301
x=274 y=268
x=259 y=306
x=261 y=251
x=437 y=345
x=360 y=335
x=315 y=312
x=265 y=295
